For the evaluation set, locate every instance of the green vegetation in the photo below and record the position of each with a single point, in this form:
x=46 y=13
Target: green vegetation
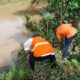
x=69 y=70
x=57 y=11
x=19 y=70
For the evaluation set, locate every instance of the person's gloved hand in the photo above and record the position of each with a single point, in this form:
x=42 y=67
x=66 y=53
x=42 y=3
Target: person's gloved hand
x=59 y=44
x=29 y=52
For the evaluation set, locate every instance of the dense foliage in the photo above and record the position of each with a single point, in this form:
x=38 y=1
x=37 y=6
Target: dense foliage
x=69 y=70
x=57 y=11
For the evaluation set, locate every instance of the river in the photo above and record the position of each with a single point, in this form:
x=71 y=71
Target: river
x=11 y=36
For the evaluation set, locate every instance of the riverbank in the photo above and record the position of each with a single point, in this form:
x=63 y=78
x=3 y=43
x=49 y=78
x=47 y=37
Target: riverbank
x=11 y=31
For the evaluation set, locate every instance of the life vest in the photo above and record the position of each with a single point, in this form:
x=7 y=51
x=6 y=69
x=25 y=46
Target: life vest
x=65 y=30
x=41 y=47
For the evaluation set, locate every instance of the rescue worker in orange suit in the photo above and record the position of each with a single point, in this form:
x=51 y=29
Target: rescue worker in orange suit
x=68 y=32
x=41 y=49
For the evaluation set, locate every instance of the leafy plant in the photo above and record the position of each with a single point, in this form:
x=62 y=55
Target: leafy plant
x=57 y=11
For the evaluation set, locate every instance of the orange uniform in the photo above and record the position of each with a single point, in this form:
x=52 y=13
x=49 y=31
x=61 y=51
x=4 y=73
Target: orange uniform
x=41 y=47
x=65 y=30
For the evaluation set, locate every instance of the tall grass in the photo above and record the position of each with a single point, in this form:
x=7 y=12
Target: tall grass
x=69 y=70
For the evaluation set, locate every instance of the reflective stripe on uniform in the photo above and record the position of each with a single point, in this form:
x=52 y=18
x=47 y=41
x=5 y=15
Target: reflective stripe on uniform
x=51 y=53
x=38 y=44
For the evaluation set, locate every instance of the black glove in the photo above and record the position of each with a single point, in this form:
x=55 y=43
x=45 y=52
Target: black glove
x=29 y=52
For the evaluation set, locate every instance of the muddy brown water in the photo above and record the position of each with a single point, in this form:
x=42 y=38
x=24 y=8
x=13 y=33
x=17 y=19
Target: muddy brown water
x=11 y=28
x=11 y=32
x=11 y=36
